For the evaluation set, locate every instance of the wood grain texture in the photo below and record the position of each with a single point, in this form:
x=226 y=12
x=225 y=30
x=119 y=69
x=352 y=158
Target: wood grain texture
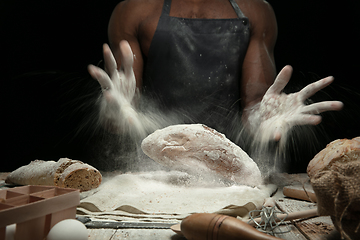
x=313 y=228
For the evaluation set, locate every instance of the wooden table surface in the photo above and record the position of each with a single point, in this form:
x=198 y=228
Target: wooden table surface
x=315 y=228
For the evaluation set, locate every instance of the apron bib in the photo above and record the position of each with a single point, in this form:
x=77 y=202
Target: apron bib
x=194 y=66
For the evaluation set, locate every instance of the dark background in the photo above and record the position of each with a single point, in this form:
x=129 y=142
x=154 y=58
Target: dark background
x=47 y=95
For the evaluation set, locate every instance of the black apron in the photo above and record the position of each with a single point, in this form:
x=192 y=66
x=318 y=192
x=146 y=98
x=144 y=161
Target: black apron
x=194 y=66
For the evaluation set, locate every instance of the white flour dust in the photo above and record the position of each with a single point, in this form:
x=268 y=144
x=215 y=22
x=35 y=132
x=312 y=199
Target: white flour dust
x=137 y=121
x=137 y=124
x=159 y=192
x=270 y=121
x=141 y=117
x=130 y=123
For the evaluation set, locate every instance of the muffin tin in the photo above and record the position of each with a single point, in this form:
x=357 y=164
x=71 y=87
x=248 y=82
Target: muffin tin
x=36 y=209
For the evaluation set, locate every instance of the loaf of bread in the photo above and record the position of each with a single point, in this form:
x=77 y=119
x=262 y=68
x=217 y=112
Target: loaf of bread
x=334 y=175
x=340 y=150
x=196 y=148
x=65 y=173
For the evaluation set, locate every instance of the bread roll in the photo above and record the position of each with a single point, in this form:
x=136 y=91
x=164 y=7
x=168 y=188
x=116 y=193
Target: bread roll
x=63 y=173
x=200 y=149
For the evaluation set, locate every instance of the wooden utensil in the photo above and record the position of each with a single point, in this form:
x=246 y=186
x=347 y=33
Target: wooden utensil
x=291 y=216
x=209 y=226
x=300 y=192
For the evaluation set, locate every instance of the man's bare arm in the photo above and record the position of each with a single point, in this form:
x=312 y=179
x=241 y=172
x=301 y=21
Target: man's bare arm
x=268 y=112
x=124 y=25
x=259 y=69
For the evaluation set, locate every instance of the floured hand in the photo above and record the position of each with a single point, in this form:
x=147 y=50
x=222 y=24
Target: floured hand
x=278 y=112
x=118 y=87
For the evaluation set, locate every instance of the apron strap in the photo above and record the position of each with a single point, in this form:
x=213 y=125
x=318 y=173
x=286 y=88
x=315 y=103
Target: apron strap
x=237 y=9
x=166 y=7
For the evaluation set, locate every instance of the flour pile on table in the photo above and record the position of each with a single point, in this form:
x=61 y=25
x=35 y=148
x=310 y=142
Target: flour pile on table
x=166 y=196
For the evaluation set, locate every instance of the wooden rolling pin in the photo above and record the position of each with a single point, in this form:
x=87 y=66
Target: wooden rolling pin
x=206 y=226
x=210 y=226
x=298 y=192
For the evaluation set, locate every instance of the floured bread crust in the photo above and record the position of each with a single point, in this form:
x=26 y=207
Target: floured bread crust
x=65 y=172
x=199 y=149
x=340 y=150
x=37 y=172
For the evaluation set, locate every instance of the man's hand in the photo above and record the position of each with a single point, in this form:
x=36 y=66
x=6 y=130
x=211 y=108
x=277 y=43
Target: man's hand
x=278 y=112
x=118 y=88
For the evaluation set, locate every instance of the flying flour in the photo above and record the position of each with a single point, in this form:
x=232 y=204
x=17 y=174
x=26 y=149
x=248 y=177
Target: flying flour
x=119 y=96
x=277 y=113
x=271 y=119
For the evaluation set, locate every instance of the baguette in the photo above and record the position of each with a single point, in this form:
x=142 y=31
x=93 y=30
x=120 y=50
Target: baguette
x=196 y=148
x=65 y=173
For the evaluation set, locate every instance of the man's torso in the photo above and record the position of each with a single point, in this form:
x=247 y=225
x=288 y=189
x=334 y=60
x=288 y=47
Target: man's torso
x=203 y=9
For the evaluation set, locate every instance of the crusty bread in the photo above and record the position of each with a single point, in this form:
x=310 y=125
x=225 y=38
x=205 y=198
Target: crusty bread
x=63 y=173
x=340 y=150
x=334 y=175
x=200 y=149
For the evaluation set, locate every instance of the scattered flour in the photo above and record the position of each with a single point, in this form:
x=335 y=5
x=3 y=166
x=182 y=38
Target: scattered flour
x=161 y=194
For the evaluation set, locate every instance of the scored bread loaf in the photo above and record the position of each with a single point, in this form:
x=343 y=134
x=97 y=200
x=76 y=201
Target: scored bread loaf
x=65 y=173
x=197 y=148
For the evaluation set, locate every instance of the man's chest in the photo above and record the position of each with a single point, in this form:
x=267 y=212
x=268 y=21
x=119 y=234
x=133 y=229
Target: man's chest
x=189 y=9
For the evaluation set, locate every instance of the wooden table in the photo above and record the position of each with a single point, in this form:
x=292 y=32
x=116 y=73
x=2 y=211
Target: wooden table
x=314 y=228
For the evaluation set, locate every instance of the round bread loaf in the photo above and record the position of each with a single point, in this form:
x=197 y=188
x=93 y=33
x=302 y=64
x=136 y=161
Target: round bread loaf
x=334 y=175
x=338 y=151
x=199 y=149
x=63 y=173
